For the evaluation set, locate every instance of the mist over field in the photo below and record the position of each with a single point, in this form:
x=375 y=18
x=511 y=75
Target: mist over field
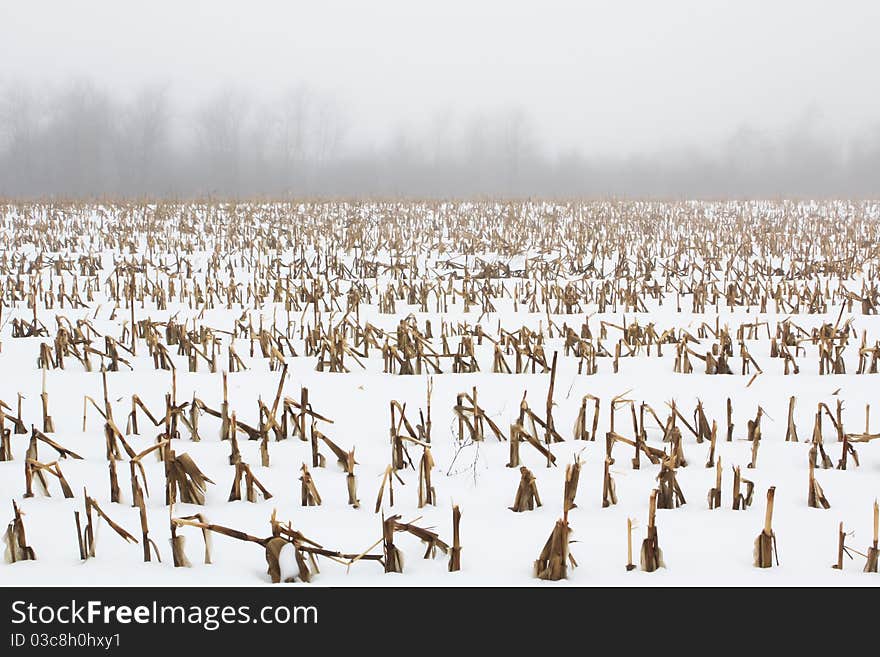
x=691 y=99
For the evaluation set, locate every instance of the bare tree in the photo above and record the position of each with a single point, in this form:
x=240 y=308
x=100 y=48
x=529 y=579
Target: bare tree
x=219 y=132
x=147 y=124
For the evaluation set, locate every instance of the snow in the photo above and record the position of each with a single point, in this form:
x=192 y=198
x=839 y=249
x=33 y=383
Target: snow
x=701 y=547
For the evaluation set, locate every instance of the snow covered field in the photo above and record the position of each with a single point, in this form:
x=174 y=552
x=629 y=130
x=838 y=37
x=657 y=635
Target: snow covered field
x=502 y=261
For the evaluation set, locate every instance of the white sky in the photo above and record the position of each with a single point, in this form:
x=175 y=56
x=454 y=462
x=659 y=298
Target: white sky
x=602 y=77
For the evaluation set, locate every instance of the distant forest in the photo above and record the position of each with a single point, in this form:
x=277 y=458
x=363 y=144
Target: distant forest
x=81 y=142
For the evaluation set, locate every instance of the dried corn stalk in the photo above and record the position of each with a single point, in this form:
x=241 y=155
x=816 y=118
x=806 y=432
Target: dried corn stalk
x=351 y=479
x=815 y=496
x=309 y=493
x=572 y=477
x=629 y=545
x=183 y=476
x=35 y=469
x=5 y=439
x=552 y=563
x=178 y=541
x=455 y=550
x=669 y=494
x=86 y=535
x=17 y=548
x=741 y=501
x=765 y=544
x=791 y=429
x=581 y=432
x=427 y=495
x=251 y=484
x=651 y=557
x=387 y=478
x=393 y=559
x=473 y=417
x=713 y=436
x=874 y=550
x=609 y=490
x=715 y=493
x=841 y=548
x=526 y=493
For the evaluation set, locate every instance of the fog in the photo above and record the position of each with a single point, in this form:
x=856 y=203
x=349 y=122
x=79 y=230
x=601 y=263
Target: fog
x=455 y=99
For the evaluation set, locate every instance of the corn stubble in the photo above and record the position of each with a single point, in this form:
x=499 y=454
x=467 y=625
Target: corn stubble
x=444 y=258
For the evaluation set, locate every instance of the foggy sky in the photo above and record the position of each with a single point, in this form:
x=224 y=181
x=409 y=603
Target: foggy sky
x=348 y=98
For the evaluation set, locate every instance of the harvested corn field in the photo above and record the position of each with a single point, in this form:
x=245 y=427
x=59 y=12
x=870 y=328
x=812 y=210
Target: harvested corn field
x=440 y=393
